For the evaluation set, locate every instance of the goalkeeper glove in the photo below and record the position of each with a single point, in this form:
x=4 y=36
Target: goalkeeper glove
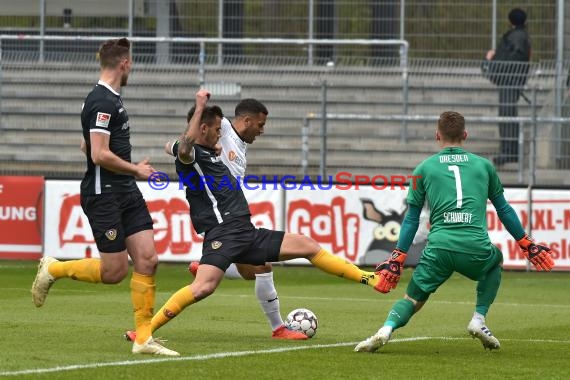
x=538 y=255
x=389 y=271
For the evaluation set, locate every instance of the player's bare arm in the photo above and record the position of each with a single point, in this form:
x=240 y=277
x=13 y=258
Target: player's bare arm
x=168 y=147
x=188 y=138
x=102 y=156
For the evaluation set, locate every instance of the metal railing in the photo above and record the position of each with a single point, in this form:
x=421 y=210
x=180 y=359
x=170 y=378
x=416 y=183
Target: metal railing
x=436 y=28
x=388 y=104
x=202 y=62
x=528 y=166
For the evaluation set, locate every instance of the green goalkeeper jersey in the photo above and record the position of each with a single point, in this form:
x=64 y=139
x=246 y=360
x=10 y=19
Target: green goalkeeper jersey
x=456 y=184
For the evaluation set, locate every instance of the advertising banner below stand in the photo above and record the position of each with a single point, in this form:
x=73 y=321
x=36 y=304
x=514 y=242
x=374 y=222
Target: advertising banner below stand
x=21 y=207
x=361 y=226
x=550 y=225
x=68 y=234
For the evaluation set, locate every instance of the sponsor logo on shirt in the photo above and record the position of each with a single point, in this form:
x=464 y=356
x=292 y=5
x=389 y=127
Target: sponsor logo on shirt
x=103 y=119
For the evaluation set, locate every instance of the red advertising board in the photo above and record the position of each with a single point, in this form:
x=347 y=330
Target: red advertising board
x=549 y=219
x=21 y=209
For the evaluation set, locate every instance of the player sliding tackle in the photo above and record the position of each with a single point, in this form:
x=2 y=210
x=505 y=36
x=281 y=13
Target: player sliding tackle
x=222 y=214
x=456 y=184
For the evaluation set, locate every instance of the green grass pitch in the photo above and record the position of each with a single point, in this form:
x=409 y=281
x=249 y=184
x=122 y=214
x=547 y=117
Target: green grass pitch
x=77 y=334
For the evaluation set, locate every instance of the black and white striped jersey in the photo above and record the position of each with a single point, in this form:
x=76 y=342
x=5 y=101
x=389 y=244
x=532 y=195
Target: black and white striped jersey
x=212 y=191
x=103 y=112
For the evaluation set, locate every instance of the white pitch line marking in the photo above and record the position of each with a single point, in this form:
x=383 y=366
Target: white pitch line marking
x=221 y=355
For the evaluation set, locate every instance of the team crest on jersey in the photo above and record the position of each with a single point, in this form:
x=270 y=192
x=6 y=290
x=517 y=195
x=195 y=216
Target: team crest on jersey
x=111 y=234
x=232 y=155
x=103 y=120
x=216 y=244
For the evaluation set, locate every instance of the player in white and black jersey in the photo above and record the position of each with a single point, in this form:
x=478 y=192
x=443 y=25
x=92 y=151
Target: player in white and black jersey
x=217 y=208
x=249 y=121
x=114 y=205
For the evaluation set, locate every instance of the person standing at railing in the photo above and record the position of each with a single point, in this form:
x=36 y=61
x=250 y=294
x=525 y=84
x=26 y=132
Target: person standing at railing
x=508 y=67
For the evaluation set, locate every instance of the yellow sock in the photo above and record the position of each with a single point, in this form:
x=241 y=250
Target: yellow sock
x=142 y=296
x=332 y=264
x=87 y=270
x=175 y=304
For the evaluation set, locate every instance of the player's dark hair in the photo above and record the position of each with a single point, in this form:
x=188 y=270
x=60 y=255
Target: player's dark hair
x=113 y=51
x=209 y=114
x=451 y=126
x=250 y=107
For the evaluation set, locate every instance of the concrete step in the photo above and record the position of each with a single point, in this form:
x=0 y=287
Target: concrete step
x=278 y=137
x=379 y=93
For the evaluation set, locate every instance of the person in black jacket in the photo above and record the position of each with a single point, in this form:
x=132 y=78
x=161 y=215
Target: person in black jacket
x=508 y=68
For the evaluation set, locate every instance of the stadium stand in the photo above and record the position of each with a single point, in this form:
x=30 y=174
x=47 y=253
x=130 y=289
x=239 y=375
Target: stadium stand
x=40 y=106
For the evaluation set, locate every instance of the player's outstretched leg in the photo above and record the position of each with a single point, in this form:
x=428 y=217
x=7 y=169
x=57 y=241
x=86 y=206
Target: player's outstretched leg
x=50 y=270
x=337 y=266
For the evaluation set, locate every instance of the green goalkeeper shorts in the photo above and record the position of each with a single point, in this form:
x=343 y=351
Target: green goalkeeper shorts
x=437 y=265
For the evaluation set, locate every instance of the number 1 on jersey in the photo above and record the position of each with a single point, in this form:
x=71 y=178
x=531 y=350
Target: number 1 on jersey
x=459 y=190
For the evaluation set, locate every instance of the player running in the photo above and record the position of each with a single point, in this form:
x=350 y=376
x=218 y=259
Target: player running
x=117 y=213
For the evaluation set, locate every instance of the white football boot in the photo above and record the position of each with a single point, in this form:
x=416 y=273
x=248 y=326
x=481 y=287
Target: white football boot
x=478 y=329
x=375 y=341
x=43 y=281
x=152 y=347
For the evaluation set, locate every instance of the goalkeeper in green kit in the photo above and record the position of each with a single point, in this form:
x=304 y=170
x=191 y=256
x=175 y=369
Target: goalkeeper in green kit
x=456 y=185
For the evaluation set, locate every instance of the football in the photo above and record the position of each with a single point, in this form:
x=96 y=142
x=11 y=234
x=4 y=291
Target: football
x=303 y=320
